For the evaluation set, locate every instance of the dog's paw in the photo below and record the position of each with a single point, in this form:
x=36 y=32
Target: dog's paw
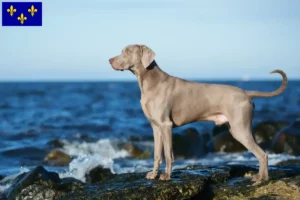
x=256 y=178
x=164 y=177
x=151 y=175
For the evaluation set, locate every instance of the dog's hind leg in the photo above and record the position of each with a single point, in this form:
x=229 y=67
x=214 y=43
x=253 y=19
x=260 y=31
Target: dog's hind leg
x=240 y=128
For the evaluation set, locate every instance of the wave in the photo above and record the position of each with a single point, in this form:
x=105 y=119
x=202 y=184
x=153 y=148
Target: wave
x=89 y=155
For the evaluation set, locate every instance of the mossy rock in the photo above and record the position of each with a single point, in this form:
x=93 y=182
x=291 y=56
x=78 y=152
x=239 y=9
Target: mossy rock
x=57 y=157
x=135 y=151
x=39 y=184
x=187 y=183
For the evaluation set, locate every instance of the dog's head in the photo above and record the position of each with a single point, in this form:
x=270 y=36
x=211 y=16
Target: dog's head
x=133 y=57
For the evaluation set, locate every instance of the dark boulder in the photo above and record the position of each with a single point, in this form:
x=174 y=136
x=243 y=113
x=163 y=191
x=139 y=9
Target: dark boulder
x=265 y=132
x=98 y=174
x=190 y=144
x=224 y=142
x=288 y=139
x=39 y=184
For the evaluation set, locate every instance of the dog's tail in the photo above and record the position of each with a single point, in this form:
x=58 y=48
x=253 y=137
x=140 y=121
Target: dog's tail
x=253 y=94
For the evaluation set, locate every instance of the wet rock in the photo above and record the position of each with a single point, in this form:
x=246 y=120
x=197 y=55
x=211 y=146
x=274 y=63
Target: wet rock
x=1 y=177
x=224 y=142
x=287 y=188
x=265 y=132
x=196 y=182
x=98 y=174
x=24 y=184
x=289 y=162
x=192 y=184
x=288 y=139
x=39 y=184
x=57 y=158
x=189 y=144
x=135 y=151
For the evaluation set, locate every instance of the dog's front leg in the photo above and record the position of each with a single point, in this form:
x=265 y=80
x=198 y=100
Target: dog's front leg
x=166 y=132
x=157 y=151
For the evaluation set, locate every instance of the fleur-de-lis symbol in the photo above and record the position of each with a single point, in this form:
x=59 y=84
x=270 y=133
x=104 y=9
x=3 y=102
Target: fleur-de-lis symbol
x=11 y=10
x=32 y=10
x=22 y=18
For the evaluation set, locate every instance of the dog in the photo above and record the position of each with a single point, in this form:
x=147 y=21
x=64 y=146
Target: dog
x=169 y=102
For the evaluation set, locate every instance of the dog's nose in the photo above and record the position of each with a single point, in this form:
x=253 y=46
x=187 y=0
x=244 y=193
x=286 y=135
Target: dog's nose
x=111 y=60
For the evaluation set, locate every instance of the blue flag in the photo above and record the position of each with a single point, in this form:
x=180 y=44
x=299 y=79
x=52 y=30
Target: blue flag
x=22 y=13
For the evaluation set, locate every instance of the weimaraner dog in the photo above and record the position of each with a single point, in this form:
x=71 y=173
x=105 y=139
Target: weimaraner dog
x=168 y=102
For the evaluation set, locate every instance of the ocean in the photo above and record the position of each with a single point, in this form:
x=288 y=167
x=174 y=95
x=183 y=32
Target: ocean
x=89 y=119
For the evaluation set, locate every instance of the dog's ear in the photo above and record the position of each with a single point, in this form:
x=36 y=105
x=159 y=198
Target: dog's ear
x=147 y=56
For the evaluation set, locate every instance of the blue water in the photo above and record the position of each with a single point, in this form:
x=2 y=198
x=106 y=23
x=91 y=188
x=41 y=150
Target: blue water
x=34 y=113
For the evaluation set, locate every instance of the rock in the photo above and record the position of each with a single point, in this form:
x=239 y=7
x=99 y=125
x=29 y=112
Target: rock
x=192 y=184
x=135 y=151
x=195 y=182
x=1 y=177
x=189 y=144
x=286 y=189
x=24 y=184
x=289 y=162
x=39 y=184
x=98 y=174
x=57 y=158
x=224 y=142
x=264 y=133
x=288 y=139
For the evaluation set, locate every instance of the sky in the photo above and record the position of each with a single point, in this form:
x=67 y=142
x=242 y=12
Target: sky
x=192 y=39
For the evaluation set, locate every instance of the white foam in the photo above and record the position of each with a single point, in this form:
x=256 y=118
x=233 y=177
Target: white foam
x=4 y=187
x=90 y=155
x=103 y=147
x=83 y=164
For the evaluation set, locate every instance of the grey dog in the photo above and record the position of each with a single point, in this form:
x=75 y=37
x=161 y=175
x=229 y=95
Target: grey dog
x=168 y=102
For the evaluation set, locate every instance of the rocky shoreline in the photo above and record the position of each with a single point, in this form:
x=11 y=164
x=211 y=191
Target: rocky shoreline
x=193 y=182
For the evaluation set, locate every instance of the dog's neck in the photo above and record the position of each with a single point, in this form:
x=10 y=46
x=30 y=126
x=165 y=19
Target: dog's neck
x=150 y=77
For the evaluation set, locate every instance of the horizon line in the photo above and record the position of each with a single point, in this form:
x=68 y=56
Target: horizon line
x=133 y=80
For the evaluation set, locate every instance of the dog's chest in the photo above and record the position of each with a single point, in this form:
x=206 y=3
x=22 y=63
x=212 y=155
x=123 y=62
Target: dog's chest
x=145 y=106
